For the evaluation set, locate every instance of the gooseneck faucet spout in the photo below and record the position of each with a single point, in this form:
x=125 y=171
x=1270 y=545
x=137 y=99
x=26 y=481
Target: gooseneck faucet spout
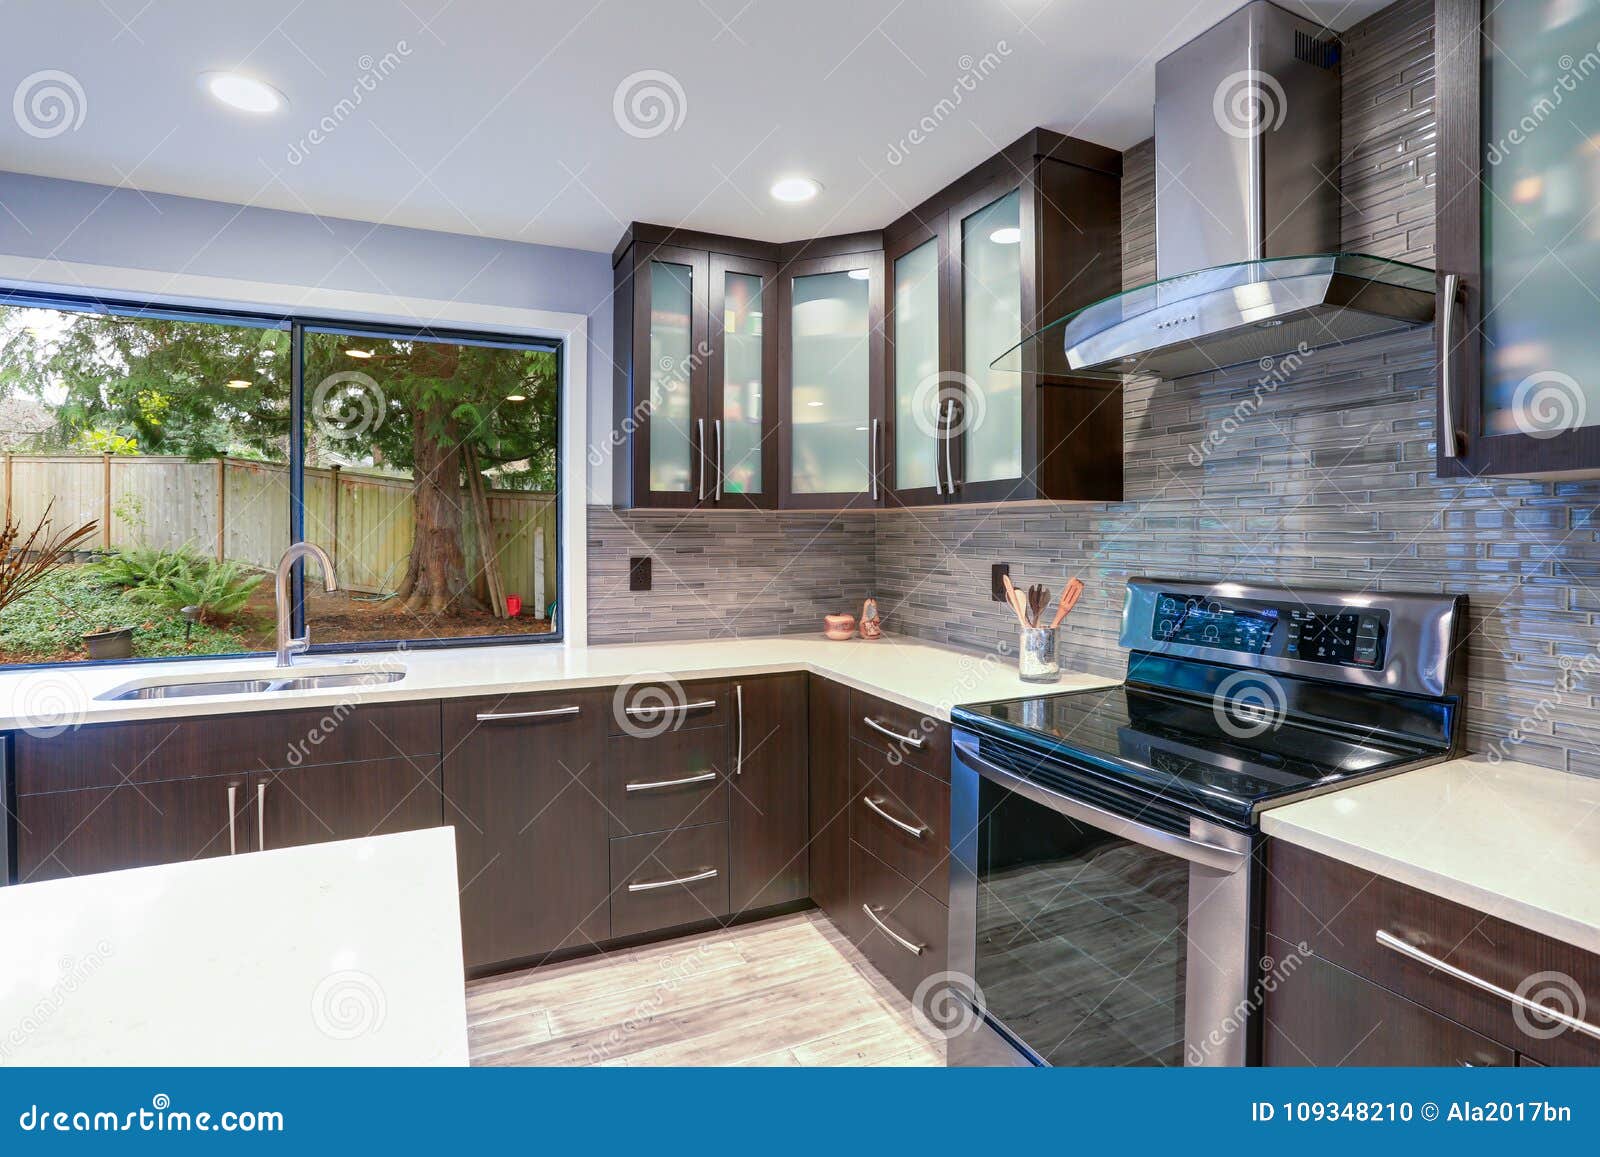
x=288 y=647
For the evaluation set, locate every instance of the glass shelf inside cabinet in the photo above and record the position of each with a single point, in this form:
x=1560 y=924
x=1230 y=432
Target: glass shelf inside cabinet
x=1230 y=315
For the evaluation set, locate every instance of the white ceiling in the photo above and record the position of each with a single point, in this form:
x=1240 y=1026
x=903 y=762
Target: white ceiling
x=498 y=117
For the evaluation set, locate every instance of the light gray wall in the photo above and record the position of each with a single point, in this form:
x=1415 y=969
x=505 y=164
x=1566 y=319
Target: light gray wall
x=72 y=221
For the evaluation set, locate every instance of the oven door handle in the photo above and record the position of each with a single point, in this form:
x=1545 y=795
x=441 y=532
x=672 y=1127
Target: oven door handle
x=1213 y=856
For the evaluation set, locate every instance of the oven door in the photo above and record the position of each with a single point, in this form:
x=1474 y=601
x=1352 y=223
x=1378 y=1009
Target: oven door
x=1096 y=930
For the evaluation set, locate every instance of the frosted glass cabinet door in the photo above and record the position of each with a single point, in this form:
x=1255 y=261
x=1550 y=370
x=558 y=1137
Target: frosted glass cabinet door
x=744 y=374
x=914 y=323
x=834 y=422
x=671 y=368
x=991 y=322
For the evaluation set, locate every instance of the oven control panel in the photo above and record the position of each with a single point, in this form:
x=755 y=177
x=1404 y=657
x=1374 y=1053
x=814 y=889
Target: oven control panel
x=1338 y=636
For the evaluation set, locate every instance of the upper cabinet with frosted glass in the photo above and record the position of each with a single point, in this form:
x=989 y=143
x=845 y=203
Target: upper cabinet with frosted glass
x=1518 y=239
x=694 y=422
x=1029 y=235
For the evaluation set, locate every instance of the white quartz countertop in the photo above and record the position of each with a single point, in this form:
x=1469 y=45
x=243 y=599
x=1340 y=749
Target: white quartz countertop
x=921 y=676
x=1515 y=841
x=342 y=953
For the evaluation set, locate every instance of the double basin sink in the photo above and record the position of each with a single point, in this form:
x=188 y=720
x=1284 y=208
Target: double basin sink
x=269 y=681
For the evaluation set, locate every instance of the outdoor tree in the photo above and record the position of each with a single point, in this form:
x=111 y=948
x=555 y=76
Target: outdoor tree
x=413 y=408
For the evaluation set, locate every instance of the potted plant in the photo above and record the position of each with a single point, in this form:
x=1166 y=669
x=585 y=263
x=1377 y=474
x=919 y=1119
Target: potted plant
x=110 y=643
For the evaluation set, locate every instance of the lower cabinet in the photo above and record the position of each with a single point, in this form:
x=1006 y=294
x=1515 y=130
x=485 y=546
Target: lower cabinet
x=665 y=879
x=342 y=801
x=522 y=787
x=902 y=929
x=768 y=862
x=829 y=805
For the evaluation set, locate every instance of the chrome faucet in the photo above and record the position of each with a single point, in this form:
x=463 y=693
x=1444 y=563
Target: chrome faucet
x=289 y=647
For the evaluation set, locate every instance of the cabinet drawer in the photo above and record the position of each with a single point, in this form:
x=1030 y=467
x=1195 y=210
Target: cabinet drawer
x=648 y=708
x=1339 y=911
x=645 y=872
x=677 y=779
x=537 y=717
x=902 y=816
x=108 y=754
x=901 y=733
x=1322 y=1015
x=899 y=927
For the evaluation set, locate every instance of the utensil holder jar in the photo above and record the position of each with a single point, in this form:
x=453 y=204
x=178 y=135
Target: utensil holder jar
x=1037 y=661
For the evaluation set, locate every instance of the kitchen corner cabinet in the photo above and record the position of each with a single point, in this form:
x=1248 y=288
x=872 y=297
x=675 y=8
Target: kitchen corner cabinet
x=1017 y=243
x=831 y=415
x=1518 y=392
x=768 y=831
x=694 y=420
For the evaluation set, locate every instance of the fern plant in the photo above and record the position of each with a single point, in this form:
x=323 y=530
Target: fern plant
x=142 y=567
x=219 y=589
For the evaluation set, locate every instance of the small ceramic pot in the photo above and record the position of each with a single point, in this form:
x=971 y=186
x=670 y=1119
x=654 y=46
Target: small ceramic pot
x=113 y=644
x=839 y=627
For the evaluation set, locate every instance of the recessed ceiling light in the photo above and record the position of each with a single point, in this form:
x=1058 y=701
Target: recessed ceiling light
x=358 y=353
x=860 y=274
x=1009 y=235
x=238 y=384
x=516 y=397
x=793 y=190
x=244 y=93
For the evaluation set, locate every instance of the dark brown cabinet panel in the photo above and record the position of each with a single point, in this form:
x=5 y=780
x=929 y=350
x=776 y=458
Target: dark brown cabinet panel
x=902 y=816
x=675 y=779
x=769 y=825
x=1319 y=1014
x=656 y=707
x=901 y=734
x=344 y=801
x=902 y=930
x=522 y=787
x=1383 y=932
x=109 y=754
x=830 y=798
x=666 y=879
x=72 y=833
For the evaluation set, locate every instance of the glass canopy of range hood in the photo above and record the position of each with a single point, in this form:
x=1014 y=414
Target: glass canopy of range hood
x=1230 y=315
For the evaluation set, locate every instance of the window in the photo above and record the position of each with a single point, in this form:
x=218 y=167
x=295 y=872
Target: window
x=163 y=460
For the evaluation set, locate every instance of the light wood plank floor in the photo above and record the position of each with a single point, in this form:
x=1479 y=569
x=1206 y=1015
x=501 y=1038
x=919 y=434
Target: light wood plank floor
x=783 y=992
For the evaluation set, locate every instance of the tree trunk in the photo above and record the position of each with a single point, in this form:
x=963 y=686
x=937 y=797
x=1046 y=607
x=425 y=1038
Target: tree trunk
x=436 y=577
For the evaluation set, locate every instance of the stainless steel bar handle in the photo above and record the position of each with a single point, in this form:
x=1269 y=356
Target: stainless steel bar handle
x=1395 y=944
x=938 y=451
x=1212 y=856
x=910 y=740
x=872 y=456
x=651 y=886
x=949 y=458
x=877 y=809
x=655 y=785
x=700 y=452
x=261 y=816
x=914 y=949
x=718 y=425
x=1447 y=377
x=546 y=713
x=738 y=751
x=233 y=834
x=698 y=705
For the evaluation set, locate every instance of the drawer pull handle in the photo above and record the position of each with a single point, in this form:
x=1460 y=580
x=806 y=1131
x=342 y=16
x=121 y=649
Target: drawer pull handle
x=665 y=708
x=261 y=816
x=547 y=713
x=914 y=949
x=877 y=810
x=233 y=834
x=912 y=740
x=660 y=783
x=1395 y=944
x=652 y=885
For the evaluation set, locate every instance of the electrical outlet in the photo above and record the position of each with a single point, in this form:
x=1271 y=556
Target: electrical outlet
x=639 y=574
x=997 y=589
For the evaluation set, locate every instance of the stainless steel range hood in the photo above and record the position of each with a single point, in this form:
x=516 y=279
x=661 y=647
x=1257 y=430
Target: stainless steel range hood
x=1247 y=217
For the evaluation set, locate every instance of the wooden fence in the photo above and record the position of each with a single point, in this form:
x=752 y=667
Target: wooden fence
x=239 y=509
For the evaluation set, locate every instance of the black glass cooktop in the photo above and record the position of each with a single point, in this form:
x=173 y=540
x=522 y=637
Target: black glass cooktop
x=1180 y=750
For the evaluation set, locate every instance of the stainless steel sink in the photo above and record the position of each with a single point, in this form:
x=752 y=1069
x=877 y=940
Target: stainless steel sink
x=255 y=686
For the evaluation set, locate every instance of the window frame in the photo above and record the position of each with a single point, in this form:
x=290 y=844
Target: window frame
x=296 y=324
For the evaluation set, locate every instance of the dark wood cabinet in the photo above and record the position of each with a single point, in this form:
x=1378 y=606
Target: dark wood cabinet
x=343 y=801
x=1516 y=251
x=668 y=879
x=742 y=404
x=768 y=829
x=923 y=391
x=902 y=930
x=1319 y=1014
x=523 y=788
x=829 y=805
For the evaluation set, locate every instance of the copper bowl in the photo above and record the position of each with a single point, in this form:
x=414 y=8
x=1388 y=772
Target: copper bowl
x=839 y=627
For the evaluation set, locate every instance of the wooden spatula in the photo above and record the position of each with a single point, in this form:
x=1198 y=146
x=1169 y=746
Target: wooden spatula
x=1070 y=594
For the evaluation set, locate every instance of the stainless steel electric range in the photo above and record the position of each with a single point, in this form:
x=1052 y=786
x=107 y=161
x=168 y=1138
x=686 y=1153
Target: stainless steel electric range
x=1105 y=869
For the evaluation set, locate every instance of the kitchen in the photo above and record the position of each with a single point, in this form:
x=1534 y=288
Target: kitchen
x=1004 y=604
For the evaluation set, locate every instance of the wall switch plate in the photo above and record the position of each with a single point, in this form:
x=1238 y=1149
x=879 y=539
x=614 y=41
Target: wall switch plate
x=997 y=589
x=639 y=573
